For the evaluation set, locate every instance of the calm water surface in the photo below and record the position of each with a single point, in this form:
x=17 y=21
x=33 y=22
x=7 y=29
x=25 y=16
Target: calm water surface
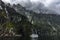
x=29 y=38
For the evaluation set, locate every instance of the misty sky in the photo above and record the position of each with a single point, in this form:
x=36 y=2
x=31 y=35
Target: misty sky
x=52 y=4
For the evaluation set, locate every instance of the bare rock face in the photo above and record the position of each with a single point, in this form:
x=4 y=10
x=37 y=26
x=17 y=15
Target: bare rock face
x=22 y=22
x=9 y=18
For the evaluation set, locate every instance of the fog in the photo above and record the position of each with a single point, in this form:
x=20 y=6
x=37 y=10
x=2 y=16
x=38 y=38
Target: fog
x=51 y=4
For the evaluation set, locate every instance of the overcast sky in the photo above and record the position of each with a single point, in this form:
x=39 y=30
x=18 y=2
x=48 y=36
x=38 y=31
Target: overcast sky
x=52 y=4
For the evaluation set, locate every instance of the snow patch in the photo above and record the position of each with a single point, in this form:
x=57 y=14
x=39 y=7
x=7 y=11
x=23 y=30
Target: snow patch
x=34 y=35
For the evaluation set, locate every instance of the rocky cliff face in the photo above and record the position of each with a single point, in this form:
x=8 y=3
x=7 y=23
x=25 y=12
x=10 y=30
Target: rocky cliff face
x=11 y=22
x=22 y=21
x=45 y=22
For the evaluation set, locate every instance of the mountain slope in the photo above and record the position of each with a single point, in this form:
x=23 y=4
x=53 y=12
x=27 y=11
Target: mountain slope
x=25 y=21
x=48 y=22
x=11 y=22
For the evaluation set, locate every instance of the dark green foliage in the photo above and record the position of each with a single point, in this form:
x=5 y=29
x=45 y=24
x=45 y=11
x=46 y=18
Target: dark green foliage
x=21 y=22
x=18 y=22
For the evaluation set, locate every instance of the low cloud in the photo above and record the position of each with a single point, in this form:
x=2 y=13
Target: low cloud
x=51 y=4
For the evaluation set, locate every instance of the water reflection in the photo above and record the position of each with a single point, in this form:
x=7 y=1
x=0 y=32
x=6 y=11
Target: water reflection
x=27 y=38
x=34 y=38
x=30 y=38
x=22 y=38
x=40 y=38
